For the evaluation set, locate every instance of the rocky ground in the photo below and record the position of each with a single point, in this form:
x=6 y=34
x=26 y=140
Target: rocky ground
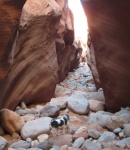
x=91 y=126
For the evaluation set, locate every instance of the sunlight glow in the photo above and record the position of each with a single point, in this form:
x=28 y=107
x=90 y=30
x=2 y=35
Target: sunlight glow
x=80 y=20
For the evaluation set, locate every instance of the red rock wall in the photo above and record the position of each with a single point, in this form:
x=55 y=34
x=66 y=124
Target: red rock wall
x=109 y=24
x=37 y=53
x=10 y=11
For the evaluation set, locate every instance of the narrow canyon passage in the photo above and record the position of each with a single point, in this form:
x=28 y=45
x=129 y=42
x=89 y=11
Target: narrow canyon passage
x=54 y=70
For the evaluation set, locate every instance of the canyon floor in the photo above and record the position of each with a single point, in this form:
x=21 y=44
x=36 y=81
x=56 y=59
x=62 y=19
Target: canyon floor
x=91 y=126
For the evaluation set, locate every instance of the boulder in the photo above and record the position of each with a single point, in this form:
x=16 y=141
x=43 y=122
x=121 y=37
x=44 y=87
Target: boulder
x=126 y=130
x=61 y=102
x=93 y=133
x=107 y=137
x=117 y=130
x=34 y=128
x=78 y=142
x=113 y=122
x=81 y=132
x=78 y=104
x=89 y=145
x=96 y=105
x=98 y=118
x=3 y=143
x=43 y=138
x=124 y=142
x=10 y=121
x=50 y=111
x=20 y=144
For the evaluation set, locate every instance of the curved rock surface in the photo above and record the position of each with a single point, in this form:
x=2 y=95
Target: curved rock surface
x=10 y=121
x=108 y=26
x=33 y=128
x=39 y=53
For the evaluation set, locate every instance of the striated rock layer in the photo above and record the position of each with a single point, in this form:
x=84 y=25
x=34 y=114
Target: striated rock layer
x=39 y=53
x=109 y=23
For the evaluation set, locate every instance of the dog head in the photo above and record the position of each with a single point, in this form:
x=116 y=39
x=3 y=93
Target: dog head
x=66 y=116
x=54 y=123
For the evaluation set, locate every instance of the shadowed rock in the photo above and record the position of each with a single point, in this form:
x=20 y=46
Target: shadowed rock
x=108 y=26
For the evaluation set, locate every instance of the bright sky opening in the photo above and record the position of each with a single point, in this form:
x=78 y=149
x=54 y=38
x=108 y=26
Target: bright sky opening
x=80 y=20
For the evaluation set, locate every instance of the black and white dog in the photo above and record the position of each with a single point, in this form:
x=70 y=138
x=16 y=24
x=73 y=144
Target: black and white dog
x=61 y=123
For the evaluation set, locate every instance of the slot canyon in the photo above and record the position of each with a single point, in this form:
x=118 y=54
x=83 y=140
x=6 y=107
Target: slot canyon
x=65 y=57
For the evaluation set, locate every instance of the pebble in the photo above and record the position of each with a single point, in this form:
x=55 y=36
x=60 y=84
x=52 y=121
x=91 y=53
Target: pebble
x=29 y=140
x=34 y=143
x=121 y=135
x=43 y=138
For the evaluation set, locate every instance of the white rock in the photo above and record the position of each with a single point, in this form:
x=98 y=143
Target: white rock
x=98 y=118
x=78 y=142
x=50 y=111
x=89 y=145
x=29 y=140
x=20 y=144
x=36 y=127
x=38 y=108
x=121 y=135
x=117 y=130
x=114 y=122
x=81 y=129
x=126 y=130
x=34 y=143
x=93 y=133
x=23 y=105
x=107 y=137
x=43 y=138
x=124 y=142
x=3 y=143
x=78 y=104
x=61 y=102
x=106 y=144
x=122 y=111
x=96 y=105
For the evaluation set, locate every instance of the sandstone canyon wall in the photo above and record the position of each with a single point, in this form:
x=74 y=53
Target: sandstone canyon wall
x=109 y=27
x=39 y=52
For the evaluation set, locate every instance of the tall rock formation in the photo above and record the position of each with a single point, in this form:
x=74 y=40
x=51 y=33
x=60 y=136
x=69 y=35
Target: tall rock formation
x=38 y=54
x=109 y=23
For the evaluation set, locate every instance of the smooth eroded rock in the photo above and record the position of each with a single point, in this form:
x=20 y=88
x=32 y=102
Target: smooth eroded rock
x=78 y=104
x=36 y=127
x=10 y=121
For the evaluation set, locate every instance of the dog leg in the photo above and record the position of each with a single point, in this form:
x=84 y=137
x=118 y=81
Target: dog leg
x=57 y=133
x=63 y=129
x=68 y=127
